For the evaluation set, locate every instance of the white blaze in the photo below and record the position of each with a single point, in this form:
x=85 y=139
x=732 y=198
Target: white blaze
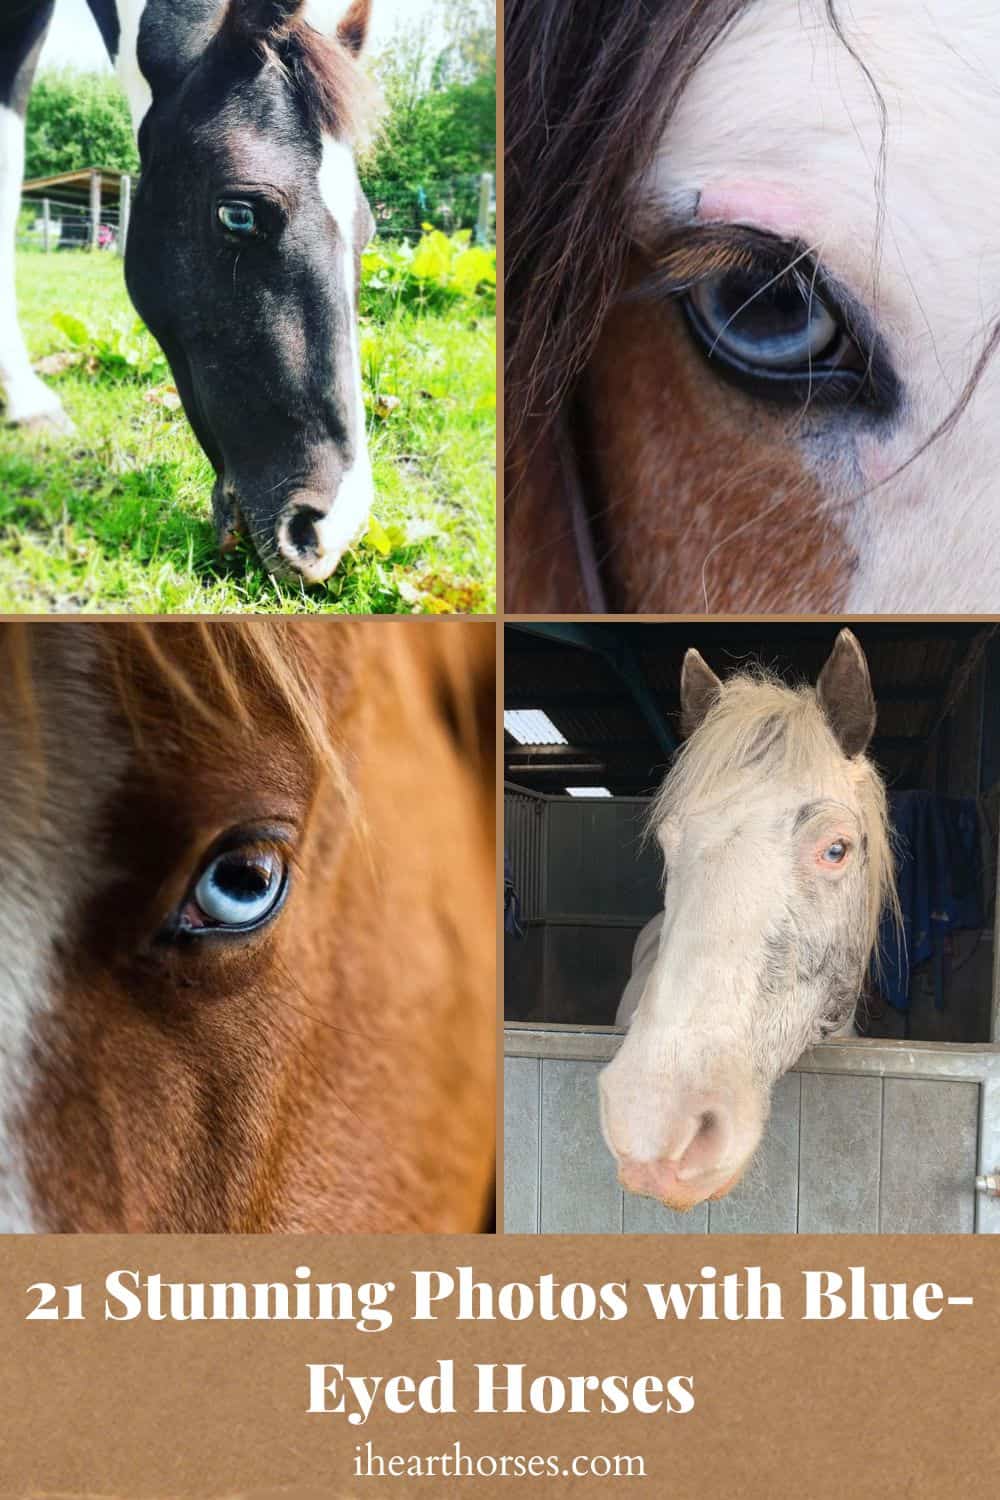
x=348 y=515
x=51 y=864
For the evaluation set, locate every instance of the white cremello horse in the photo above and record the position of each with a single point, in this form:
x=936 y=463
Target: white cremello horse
x=773 y=827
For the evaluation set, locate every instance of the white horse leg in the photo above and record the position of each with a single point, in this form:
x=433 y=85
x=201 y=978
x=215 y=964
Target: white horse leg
x=28 y=398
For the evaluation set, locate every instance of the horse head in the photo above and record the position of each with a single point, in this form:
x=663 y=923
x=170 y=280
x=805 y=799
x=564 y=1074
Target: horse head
x=244 y=256
x=772 y=823
x=245 y=982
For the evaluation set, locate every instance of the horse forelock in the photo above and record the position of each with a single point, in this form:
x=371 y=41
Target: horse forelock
x=760 y=731
x=338 y=96
x=214 y=679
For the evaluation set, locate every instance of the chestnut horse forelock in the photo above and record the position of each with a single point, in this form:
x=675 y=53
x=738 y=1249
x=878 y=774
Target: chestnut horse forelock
x=688 y=495
x=332 y=1072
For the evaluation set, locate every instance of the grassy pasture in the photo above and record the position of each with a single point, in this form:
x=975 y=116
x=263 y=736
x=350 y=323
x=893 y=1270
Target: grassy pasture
x=117 y=517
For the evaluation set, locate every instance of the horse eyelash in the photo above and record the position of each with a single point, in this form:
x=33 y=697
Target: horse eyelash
x=688 y=256
x=693 y=255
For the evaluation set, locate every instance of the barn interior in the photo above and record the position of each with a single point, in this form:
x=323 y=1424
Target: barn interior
x=591 y=726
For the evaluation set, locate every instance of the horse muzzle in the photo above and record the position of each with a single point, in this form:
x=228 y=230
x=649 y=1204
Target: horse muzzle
x=310 y=533
x=681 y=1146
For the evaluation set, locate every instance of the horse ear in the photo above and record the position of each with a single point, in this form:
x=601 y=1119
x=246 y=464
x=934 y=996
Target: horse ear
x=845 y=695
x=352 y=28
x=699 y=689
x=260 y=19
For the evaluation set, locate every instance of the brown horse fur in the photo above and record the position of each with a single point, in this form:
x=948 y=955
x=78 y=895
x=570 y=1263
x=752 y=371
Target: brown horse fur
x=668 y=541
x=333 y=1071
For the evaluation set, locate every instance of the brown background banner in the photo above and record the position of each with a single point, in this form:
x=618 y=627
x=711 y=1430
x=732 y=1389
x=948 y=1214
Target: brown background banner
x=814 y=1409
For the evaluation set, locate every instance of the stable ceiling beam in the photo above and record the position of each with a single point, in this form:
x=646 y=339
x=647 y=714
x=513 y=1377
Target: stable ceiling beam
x=608 y=642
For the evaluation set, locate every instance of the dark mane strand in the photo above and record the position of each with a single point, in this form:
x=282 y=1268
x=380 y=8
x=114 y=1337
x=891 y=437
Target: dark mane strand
x=589 y=91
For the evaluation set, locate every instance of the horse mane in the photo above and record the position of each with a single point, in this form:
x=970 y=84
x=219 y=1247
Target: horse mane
x=758 y=728
x=589 y=91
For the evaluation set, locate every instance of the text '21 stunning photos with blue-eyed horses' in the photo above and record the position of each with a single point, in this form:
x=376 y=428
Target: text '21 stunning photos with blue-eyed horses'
x=332 y=348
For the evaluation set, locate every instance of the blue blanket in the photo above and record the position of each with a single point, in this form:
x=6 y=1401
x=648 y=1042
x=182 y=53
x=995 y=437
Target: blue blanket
x=939 y=880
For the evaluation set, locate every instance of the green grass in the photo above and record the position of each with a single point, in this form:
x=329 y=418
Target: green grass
x=118 y=517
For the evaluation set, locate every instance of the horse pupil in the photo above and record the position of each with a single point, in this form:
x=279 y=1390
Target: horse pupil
x=761 y=313
x=244 y=880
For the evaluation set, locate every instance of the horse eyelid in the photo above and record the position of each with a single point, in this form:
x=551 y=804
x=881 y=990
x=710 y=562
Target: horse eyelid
x=695 y=255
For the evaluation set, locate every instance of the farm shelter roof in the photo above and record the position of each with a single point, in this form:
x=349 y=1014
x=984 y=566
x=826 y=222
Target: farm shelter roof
x=75 y=185
x=612 y=691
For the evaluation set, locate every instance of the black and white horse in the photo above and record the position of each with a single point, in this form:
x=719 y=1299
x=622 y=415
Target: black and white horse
x=243 y=252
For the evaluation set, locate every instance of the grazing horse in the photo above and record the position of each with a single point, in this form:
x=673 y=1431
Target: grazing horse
x=773 y=827
x=753 y=295
x=247 y=927
x=243 y=253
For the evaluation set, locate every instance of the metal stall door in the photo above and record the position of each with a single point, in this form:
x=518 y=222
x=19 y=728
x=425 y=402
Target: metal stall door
x=588 y=883
x=864 y=1138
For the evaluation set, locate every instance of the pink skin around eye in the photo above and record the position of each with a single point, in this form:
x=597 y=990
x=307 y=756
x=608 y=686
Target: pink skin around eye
x=193 y=916
x=763 y=205
x=831 y=867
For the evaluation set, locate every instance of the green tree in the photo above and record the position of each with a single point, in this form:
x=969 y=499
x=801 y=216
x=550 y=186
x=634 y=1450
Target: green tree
x=438 y=79
x=77 y=120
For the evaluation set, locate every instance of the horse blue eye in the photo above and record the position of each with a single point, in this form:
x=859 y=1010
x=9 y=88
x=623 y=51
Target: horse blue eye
x=836 y=852
x=237 y=890
x=238 y=218
x=766 y=323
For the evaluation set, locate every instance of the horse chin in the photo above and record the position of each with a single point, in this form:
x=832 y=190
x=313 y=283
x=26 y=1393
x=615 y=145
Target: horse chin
x=230 y=525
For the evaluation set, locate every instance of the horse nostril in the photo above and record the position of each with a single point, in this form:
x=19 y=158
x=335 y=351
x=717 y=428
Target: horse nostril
x=707 y=1142
x=298 y=535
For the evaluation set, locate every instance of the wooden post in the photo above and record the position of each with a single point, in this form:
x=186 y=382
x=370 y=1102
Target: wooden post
x=124 y=210
x=46 y=226
x=483 y=219
x=95 y=209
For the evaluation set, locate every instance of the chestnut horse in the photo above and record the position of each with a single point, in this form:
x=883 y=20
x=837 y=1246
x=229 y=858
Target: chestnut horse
x=753 y=289
x=774 y=833
x=247 y=927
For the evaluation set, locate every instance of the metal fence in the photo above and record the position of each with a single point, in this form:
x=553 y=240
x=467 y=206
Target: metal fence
x=56 y=223
x=401 y=210
x=50 y=224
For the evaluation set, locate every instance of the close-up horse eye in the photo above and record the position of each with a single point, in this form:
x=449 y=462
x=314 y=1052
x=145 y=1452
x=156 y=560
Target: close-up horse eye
x=238 y=217
x=835 y=853
x=776 y=334
x=236 y=892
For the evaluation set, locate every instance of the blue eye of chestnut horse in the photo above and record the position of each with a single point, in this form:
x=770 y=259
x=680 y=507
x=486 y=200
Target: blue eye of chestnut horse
x=237 y=892
x=244 y=259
